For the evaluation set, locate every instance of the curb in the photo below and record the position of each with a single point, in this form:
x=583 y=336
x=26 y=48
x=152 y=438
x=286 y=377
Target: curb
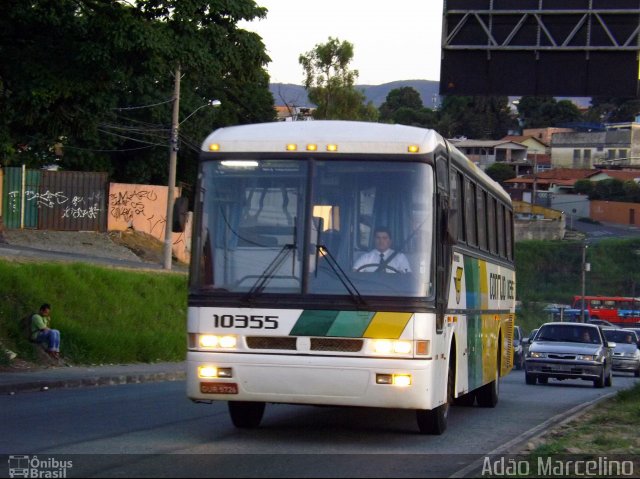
x=93 y=381
x=516 y=445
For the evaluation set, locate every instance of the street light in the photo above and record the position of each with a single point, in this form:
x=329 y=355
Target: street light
x=173 y=159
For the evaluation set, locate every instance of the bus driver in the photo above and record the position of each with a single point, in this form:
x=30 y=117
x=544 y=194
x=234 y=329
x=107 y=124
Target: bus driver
x=382 y=259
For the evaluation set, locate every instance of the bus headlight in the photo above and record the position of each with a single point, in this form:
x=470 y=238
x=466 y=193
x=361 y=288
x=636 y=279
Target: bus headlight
x=212 y=341
x=386 y=346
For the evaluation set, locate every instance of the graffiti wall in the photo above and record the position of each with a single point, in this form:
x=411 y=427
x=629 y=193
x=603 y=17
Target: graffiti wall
x=144 y=208
x=64 y=201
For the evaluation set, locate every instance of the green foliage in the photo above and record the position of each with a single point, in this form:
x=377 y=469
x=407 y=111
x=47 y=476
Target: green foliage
x=73 y=69
x=475 y=117
x=541 y=112
x=104 y=315
x=404 y=106
x=500 y=172
x=583 y=187
x=550 y=272
x=330 y=83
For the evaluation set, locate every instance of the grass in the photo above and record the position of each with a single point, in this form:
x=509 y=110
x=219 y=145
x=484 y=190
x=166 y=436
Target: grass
x=103 y=314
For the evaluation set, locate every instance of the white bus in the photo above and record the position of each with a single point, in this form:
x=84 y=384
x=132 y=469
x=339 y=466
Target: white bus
x=282 y=308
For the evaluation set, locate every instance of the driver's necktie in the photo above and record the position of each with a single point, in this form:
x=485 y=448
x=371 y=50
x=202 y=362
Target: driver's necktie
x=381 y=264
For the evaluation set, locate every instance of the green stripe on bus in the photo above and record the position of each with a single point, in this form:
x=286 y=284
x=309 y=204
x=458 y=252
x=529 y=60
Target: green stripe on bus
x=474 y=342
x=350 y=324
x=314 y=323
x=472 y=280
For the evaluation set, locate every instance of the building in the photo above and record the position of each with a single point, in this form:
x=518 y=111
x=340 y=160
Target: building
x=294 y=113
x=617 y=146
x=538 y=153
x=484 y=153
x=545 y=134
x=546 y=183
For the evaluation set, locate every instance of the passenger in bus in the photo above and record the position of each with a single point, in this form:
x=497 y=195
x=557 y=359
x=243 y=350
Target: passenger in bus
x=382 y=259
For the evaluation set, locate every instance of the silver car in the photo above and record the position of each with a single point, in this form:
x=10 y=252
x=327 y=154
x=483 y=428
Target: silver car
x=570 y=351
x=626 y=356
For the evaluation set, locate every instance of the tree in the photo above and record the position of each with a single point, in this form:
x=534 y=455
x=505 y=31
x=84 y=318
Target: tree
x=86 y=82
x=404 y=97
x=330 y=83
x=543 y=111
x=583 y=187
x=476 y=117
x=500 y=172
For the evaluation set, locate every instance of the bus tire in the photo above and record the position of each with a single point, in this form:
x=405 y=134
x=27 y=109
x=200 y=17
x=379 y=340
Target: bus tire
x=434 y=421
x=466 y=400
x=246 y=415
x=487 y=395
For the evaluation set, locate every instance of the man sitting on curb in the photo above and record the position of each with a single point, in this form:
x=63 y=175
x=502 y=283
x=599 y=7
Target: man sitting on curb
x=41 y=333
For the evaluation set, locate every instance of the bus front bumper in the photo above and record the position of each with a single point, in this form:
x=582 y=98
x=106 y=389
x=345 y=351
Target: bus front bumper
x=321 y=380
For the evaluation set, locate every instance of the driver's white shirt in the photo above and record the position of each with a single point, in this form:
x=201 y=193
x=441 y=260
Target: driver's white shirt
x=398 y=262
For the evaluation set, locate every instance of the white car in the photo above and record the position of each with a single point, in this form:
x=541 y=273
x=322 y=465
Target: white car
x=570 y=351
x=626 y=356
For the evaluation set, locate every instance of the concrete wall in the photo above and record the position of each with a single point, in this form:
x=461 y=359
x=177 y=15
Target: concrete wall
x=144 y=208
x=539 y=230
x=616 y=212
x=573 y=206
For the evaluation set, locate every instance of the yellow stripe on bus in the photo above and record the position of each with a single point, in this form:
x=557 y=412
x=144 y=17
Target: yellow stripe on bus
x=387 y=325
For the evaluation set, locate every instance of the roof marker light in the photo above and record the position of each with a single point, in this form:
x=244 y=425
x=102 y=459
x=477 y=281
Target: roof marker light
x=312 y=147
x=292 y=147
x=332 y=147
x=214 y=147
x=413 y=149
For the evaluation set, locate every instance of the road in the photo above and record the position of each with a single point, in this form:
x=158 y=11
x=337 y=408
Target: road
x=153 y=430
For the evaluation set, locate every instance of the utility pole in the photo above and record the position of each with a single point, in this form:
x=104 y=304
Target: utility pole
x=585 y=268
x=173 y=159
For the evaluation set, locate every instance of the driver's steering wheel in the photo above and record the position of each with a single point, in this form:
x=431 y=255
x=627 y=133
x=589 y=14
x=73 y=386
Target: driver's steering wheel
x=377 y=265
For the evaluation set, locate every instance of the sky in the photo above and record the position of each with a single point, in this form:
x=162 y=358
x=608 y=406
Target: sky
x=393 y=40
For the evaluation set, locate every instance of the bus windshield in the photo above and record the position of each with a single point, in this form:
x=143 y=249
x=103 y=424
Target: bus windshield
x=262 y=219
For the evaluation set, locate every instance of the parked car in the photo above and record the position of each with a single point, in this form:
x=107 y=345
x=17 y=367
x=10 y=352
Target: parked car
x=518 y=347
x=569 y=351
x=626 y=356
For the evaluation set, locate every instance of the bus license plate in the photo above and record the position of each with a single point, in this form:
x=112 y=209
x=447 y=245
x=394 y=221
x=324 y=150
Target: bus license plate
x=218 y=388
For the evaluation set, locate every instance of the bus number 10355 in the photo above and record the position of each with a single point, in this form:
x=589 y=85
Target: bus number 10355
x=241 y=321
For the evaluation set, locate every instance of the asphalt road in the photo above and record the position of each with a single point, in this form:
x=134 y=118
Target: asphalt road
x=154 y=430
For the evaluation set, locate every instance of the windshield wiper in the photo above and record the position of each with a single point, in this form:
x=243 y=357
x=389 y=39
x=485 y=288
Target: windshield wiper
x=270 y=271
x=342 y=276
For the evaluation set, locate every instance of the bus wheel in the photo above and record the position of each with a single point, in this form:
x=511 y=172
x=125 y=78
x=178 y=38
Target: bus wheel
x=246 y=415
x=434 y=421
x=487 y=395
x=465 y=400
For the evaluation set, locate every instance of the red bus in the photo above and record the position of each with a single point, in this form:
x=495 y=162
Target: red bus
x=615 y=309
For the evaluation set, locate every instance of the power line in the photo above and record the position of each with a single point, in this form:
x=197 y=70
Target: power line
x=143 y=106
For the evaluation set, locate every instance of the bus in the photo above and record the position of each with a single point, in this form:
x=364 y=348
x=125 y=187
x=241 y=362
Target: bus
x=277 y=312
x=619 y=310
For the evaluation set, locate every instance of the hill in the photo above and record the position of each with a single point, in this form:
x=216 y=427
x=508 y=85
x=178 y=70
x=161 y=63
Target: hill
x=296 y=95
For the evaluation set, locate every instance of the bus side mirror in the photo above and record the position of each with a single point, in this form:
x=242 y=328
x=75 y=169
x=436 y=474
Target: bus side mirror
x=180 y=210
